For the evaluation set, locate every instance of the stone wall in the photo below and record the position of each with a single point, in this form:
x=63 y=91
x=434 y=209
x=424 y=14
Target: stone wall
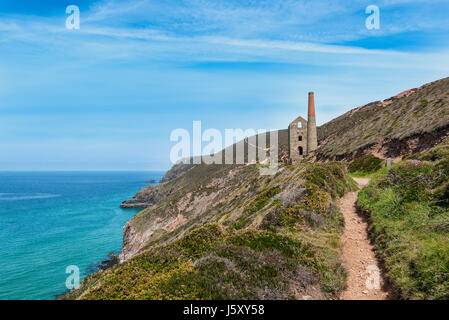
x=297 y=139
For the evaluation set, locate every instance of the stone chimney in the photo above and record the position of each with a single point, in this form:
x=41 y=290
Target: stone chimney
x=312 y=140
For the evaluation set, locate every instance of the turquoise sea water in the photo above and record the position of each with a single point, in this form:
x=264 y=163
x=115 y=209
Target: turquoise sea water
x=51 y=220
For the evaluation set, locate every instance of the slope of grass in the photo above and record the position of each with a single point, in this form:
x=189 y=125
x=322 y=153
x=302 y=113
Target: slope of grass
x=408 y=209
x=293 y=250
x=365 y=165
x=426 y=110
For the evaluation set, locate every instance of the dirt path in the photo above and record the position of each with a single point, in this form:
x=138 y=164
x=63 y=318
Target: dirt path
x=365 y=281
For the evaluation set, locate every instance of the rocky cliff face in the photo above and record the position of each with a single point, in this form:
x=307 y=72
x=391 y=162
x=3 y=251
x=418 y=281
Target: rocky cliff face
x=174 y=207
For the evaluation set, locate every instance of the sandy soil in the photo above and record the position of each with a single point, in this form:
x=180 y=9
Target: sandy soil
x=365 y=280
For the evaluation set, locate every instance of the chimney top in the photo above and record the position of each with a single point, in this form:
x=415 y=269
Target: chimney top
x=311 y=104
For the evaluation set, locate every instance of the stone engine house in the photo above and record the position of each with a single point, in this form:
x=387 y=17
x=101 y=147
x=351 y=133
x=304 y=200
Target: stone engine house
x=302 y=136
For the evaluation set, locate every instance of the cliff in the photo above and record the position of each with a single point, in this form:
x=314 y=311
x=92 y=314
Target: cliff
x=226 y=232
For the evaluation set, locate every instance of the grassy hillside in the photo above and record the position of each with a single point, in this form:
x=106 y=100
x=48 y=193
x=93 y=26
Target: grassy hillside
x=270 y=237
x=179 y=169
x=410 y=122
x=408 y=208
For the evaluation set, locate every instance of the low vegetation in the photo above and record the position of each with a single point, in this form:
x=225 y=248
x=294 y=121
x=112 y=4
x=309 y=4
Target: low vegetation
x=279 y=240
x=408 y=209
x=365 y=165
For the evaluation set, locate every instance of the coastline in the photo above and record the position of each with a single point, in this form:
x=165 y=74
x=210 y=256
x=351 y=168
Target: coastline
x=42 y=237
x=113 y=258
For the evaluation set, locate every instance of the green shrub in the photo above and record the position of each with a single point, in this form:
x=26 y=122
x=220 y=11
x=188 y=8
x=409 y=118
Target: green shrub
x=366 y=164
x=330 y=177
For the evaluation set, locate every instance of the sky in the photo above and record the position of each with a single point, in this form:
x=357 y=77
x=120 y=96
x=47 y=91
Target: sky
x=108 y=95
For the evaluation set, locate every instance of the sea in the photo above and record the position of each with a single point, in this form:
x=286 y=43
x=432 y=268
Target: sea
x=53 y=224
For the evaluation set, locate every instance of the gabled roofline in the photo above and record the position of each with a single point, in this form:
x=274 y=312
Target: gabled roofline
x=298 y=119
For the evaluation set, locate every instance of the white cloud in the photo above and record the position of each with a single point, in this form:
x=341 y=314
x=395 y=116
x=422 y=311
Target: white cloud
x=193 y=26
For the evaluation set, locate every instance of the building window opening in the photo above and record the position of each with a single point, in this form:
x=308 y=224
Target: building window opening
x=300 y=138
x=301 y=151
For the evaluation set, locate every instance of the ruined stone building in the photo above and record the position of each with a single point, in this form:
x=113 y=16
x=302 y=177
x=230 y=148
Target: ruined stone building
x=302 y=136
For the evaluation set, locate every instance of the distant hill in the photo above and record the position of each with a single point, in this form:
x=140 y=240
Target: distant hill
x=181 y=168
x=409 y=122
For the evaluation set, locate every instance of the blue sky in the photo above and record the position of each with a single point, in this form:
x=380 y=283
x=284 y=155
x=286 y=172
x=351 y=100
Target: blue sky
x=107 y=96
